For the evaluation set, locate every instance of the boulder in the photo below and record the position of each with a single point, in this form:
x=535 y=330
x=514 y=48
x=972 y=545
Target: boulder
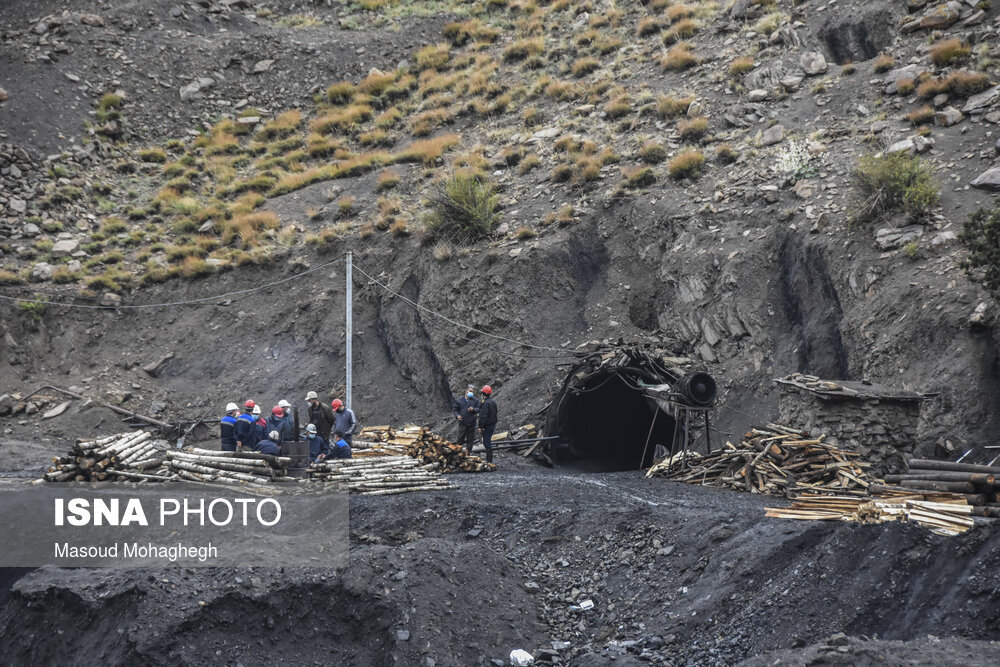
x=989 y=180
x=904 y=146
x=3 y=95
x=42 y=271
x=740 y=8
x=935 y=18
x=772 y=135
x=812 y=63
x=890 y=238
x=65 y=247
x=791 y=83
x=758 y=95
x=981 y=101
x=948 y=116
x=6 y=404
x=18 y=205
x=893 y=78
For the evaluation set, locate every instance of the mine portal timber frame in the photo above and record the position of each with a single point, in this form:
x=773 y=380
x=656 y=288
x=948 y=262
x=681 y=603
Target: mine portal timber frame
x=685 y=416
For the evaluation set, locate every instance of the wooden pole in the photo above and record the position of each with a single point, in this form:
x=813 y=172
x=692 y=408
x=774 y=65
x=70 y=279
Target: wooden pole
x=645 y=449
x=930 y=464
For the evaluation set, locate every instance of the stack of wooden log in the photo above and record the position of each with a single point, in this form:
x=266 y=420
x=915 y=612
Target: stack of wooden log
x=977 y=485
x=209 y=465
x=774 y=459
x=136 y=457
x=419 y=442
x=951 y=517
x=133 y=456
x=381 y=475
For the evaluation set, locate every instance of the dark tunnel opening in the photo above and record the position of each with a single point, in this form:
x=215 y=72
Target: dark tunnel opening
x=606 y=423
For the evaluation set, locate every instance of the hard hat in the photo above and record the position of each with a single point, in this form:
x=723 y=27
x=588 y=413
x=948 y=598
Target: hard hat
x=487 y=389
x=277 y=411
x=337 y=403
x=311 y=395
x=283 y=404
x=311 y=428
x=249 y=404
x=274 y=435
x=256 y=409
x=231 y=407
x=469 y=386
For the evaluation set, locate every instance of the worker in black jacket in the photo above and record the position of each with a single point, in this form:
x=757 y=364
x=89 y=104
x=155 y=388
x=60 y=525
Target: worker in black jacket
x=466 y=410
x=488 y=421
x=245 y=428
x=227 y=428
x=321 y=415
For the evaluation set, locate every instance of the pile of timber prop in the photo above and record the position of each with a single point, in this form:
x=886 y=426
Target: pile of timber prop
x=209 y=465
x=380 y=475
x=773 y=460
x=977 y=485
x=950 y=517
x=132 y=456
x=418 y=442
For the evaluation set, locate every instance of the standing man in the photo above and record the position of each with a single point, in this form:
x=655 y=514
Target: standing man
x=227 y=427
x=320 y=415
x=344 y=421
x=488 y=421
x=245 y=428
x=281 y=423
x=318 y=449
x=465 y=409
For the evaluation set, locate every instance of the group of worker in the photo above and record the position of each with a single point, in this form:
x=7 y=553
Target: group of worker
x=249 y=431
x=470 y=413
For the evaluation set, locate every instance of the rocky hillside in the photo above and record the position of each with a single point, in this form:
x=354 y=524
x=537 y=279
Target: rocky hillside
x=666 y=171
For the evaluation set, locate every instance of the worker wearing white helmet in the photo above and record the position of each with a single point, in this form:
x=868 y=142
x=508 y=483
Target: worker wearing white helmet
x=227 y=427
x=320 y=415
x=261 y=424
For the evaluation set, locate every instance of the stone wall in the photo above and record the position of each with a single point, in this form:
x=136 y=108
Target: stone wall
x=883 y=431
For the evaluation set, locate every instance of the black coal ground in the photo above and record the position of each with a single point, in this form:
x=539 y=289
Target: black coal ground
x=677 y=574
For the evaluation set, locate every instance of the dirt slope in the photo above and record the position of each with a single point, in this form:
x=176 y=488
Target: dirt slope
x=677 y=574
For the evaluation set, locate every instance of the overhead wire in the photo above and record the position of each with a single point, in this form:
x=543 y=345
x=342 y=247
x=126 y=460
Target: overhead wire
x=561 y=352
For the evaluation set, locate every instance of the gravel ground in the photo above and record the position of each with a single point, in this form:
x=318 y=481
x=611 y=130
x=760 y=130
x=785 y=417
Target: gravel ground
x=677 y=575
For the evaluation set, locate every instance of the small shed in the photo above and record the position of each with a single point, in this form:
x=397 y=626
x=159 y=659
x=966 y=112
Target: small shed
x=876 y=421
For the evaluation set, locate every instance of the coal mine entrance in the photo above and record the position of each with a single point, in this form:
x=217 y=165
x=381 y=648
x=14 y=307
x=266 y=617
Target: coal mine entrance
x=605 y=422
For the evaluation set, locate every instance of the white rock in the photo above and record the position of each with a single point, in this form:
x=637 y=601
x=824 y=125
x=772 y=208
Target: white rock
x=812 y=63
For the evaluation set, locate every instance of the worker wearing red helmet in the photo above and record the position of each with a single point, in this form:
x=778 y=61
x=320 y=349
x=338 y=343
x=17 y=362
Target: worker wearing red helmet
x=344 y=421
x=246 y=429
x=488 y=420
x=281 y=422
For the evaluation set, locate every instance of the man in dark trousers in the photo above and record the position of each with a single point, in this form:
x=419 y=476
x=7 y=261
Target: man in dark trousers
x=320 y=415
x=488 y=421
x=246 y=428
x=466 y=409
x=344 y=420
x=227 y=428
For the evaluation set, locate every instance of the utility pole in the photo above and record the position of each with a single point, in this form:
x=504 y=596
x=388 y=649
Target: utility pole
x=350 y=327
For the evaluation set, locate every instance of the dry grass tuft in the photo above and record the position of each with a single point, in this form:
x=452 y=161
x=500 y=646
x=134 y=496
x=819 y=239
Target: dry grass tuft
x=687 y=164
x=948 y=51
x=679 y=58
x=883 y=63
x=692 y=128
x=741 y=66
x=921 y=116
